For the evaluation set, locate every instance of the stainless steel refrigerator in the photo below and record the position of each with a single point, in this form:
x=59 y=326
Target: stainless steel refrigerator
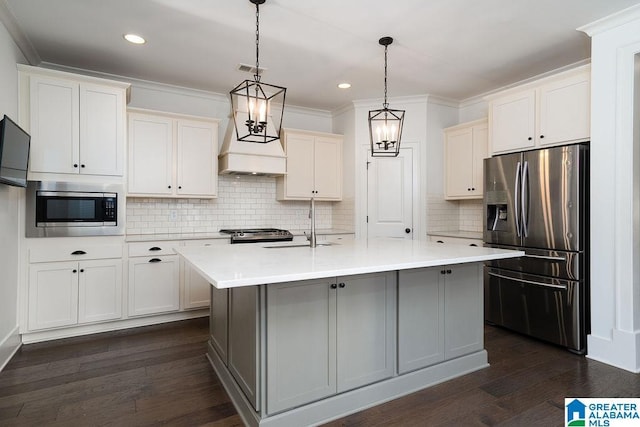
x=538 y=201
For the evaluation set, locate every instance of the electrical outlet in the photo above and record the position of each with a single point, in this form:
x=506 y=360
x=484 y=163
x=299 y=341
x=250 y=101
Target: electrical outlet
x=173 y=215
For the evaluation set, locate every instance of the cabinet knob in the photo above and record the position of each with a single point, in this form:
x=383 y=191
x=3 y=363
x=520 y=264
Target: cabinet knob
x=81 y=166
x=82 y=270
x=155 y=260
x=529 y=138
x=155 y=248
x=448 y=271
x=74 y=271
x=168 y=186
x=333 y=286
x=439 y=241
x=179 y=187
x=75 y=165
x=541 y=136
x=78 y=253
x=407 y=230
x=473 y=189
x=443 y=272
x=342 y=285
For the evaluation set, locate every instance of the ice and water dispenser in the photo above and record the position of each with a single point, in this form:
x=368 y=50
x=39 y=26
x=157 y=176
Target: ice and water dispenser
x=497 y=210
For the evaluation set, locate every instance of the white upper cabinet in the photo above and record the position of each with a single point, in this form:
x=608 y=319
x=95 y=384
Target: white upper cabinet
x=77 y=123
x=314 y=166
x=465 y=148
x=551 y=111
x=172 y=155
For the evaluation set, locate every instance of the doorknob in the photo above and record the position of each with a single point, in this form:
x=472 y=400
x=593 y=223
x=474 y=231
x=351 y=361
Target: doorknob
x=407 y=230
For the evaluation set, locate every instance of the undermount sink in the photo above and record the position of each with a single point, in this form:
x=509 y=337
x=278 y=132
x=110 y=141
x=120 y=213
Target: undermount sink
x=296 y=245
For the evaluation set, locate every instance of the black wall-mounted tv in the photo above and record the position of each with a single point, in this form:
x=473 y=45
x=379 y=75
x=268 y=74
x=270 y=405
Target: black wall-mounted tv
x=14 y=153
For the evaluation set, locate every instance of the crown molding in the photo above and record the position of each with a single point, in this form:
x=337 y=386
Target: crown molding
x=19 y=37
x=612 y=21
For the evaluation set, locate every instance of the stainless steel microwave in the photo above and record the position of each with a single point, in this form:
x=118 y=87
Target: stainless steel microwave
x=67 y=209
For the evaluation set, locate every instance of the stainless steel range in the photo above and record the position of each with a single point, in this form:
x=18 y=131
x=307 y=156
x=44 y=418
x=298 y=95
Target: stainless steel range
x=258 y=235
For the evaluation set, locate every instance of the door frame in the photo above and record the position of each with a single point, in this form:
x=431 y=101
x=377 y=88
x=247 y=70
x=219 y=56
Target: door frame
x=418 y=213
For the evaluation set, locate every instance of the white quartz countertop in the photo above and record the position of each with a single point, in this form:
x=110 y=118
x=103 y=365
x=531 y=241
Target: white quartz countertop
x=257 y=264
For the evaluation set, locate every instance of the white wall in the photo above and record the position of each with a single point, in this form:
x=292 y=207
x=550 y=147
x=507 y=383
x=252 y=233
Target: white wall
x=440 y=115
x=615 y=222
x=10 y=197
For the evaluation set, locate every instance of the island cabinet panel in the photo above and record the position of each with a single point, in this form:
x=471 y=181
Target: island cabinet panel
x=243 y=341
x=463 y=310
x=328 y=336
x=301 y=343
x=420 y=318
x=218 y=321
x=366 y=329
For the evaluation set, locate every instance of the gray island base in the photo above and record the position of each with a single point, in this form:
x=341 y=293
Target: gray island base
x=301 y=336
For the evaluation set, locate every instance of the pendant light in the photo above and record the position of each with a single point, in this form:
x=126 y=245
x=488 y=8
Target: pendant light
x=257 y=107
x=385 y=125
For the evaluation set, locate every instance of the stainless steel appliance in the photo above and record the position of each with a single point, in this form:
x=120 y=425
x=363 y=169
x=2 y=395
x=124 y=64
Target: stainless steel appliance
x=258 y=235
x=538 y=201
x=66 y=209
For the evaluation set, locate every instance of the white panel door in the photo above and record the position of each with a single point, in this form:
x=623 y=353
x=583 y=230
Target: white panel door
x=53 y=294
x=513 y=122
x=459 y=158
x=150 y=154
x=300 y=163
x=154 y=285
x=328 y=168
x=390 y=196
x=101 y=130
x=565 y=110
x=197 y=167
x=100 y=290
x=55 y=113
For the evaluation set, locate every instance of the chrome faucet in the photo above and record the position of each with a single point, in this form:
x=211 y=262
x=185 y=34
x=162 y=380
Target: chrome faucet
x=312 y=215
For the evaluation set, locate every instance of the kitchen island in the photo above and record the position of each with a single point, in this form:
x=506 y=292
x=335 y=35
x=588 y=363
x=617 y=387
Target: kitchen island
x=300 y=336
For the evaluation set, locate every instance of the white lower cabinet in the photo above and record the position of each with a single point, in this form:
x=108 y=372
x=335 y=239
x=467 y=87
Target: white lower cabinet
x=67 y=293
x=154 y=285
x=439 y=309
x=343 y=337
x=195 y=288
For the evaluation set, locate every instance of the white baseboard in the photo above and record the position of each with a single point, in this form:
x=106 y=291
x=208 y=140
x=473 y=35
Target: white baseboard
x=621 y=350
x=8 y=347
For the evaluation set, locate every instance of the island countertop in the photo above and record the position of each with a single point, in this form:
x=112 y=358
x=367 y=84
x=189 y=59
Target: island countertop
x=258 y=264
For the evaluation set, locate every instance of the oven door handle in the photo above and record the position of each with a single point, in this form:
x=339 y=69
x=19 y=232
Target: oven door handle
x=529 y=282
x=546 y=257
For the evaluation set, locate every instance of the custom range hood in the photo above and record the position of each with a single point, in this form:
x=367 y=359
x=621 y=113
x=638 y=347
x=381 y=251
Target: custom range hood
x=250 y=158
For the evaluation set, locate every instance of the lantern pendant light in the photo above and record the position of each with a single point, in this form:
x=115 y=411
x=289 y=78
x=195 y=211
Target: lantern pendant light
x=257 y=107
x=385 y=125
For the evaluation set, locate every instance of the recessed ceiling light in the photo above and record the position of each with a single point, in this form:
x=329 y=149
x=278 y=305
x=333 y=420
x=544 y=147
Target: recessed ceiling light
x=344 y=85
x=134 y=38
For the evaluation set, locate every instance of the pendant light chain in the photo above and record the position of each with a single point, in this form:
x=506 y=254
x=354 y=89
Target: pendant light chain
x=386 y=104
x=257 y=75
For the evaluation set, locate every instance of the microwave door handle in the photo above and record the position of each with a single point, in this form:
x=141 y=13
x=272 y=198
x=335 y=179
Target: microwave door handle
x=528 y=282
x=525 y=199
x=516 y=196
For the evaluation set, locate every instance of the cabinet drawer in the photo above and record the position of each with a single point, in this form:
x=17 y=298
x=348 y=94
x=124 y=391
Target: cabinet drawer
x=456 y=240
x=152 y=248
x=207 y=242
x=74 y=253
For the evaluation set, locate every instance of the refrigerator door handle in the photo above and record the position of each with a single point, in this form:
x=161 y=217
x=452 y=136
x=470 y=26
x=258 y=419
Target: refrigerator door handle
x=529 y=282
x=525 y=196
x=516 y=209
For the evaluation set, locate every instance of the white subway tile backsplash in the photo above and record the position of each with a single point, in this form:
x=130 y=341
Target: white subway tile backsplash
x=243 y=201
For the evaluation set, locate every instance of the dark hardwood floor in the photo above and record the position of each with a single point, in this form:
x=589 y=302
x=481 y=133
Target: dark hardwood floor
x=159 y=375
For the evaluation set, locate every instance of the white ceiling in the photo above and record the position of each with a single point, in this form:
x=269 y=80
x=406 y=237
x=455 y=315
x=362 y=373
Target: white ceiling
x=454 y=49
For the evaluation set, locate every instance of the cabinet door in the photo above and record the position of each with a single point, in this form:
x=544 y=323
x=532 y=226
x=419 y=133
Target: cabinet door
x=197 y=167
x=153 y=285
x=463 y=310
x=301 y=354
x=480 y=152
x=512 y=121
x=244 y=340
x=300 y=165
x=53 y=295
x=101 y=130
x=100 y=290
x=196 y=289
x=218 y=321
x=458 y=163
x=420 y=318
x=54 y=118
x=328 y=168
x=565 y=110
x=366 y=329
x=150 y=155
